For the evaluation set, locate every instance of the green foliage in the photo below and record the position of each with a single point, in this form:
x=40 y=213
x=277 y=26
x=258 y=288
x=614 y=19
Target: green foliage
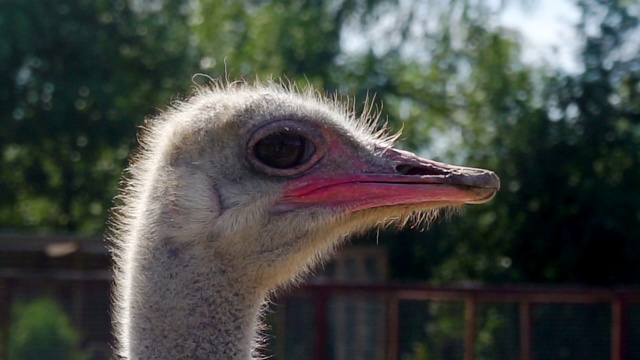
x=296 y=39
x=572 y=180
x=473 y=108
x=567 y=150
x=497 y=332
x=431 y=330
x=42 y=331
x=78 y=75
x=81 y=75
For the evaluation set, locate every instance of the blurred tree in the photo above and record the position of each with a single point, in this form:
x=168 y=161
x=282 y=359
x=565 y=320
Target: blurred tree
x=575 y=193
x=298 y=39
x=81 y=73
x=567 y=150
x=469 y=101
x=78 y=76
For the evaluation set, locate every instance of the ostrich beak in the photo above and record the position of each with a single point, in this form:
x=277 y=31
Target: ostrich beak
x=405 y=179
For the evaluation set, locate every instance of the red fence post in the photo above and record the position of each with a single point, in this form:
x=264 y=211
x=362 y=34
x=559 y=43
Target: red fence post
x=322 y=323
x=5 y=317
x=525 y=329
x=393 y=327
x=619 y=329
x=469 y=328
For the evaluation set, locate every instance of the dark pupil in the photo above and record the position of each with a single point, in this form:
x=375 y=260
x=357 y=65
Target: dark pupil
x=281 y=150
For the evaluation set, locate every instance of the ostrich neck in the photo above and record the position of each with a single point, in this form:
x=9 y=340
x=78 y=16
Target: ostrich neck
x=183 y=306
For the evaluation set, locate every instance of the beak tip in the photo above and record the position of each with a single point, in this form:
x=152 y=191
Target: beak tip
x=493 y=180
x=477 y=178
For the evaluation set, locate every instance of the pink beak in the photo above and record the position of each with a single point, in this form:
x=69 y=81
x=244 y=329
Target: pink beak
x=405 y=180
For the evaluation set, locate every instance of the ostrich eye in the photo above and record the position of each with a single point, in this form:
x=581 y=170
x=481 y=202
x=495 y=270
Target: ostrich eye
x=283 y=150
x=285 y=147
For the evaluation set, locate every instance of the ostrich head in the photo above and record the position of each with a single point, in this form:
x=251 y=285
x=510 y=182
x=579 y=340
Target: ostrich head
x=248 y=185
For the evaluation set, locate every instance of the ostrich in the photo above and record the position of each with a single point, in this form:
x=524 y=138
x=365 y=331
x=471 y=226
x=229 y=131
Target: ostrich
x=242 y=189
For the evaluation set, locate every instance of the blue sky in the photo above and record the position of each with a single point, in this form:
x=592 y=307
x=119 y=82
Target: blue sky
x=547 y=28
x=548 y=31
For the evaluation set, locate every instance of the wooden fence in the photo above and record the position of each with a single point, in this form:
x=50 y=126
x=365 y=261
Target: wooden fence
x=525 y=297
x=81 y=283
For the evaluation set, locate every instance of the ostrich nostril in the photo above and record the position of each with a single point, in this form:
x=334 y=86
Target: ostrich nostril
x=409 y=170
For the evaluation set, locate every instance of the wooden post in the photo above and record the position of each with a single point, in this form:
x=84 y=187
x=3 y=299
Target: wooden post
x=470 y=328
x=322 y=324
x=525 y=330
x=393 y=327
x=280 y=324
x=77 y=304
x=5 y=317
x=619 y=329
